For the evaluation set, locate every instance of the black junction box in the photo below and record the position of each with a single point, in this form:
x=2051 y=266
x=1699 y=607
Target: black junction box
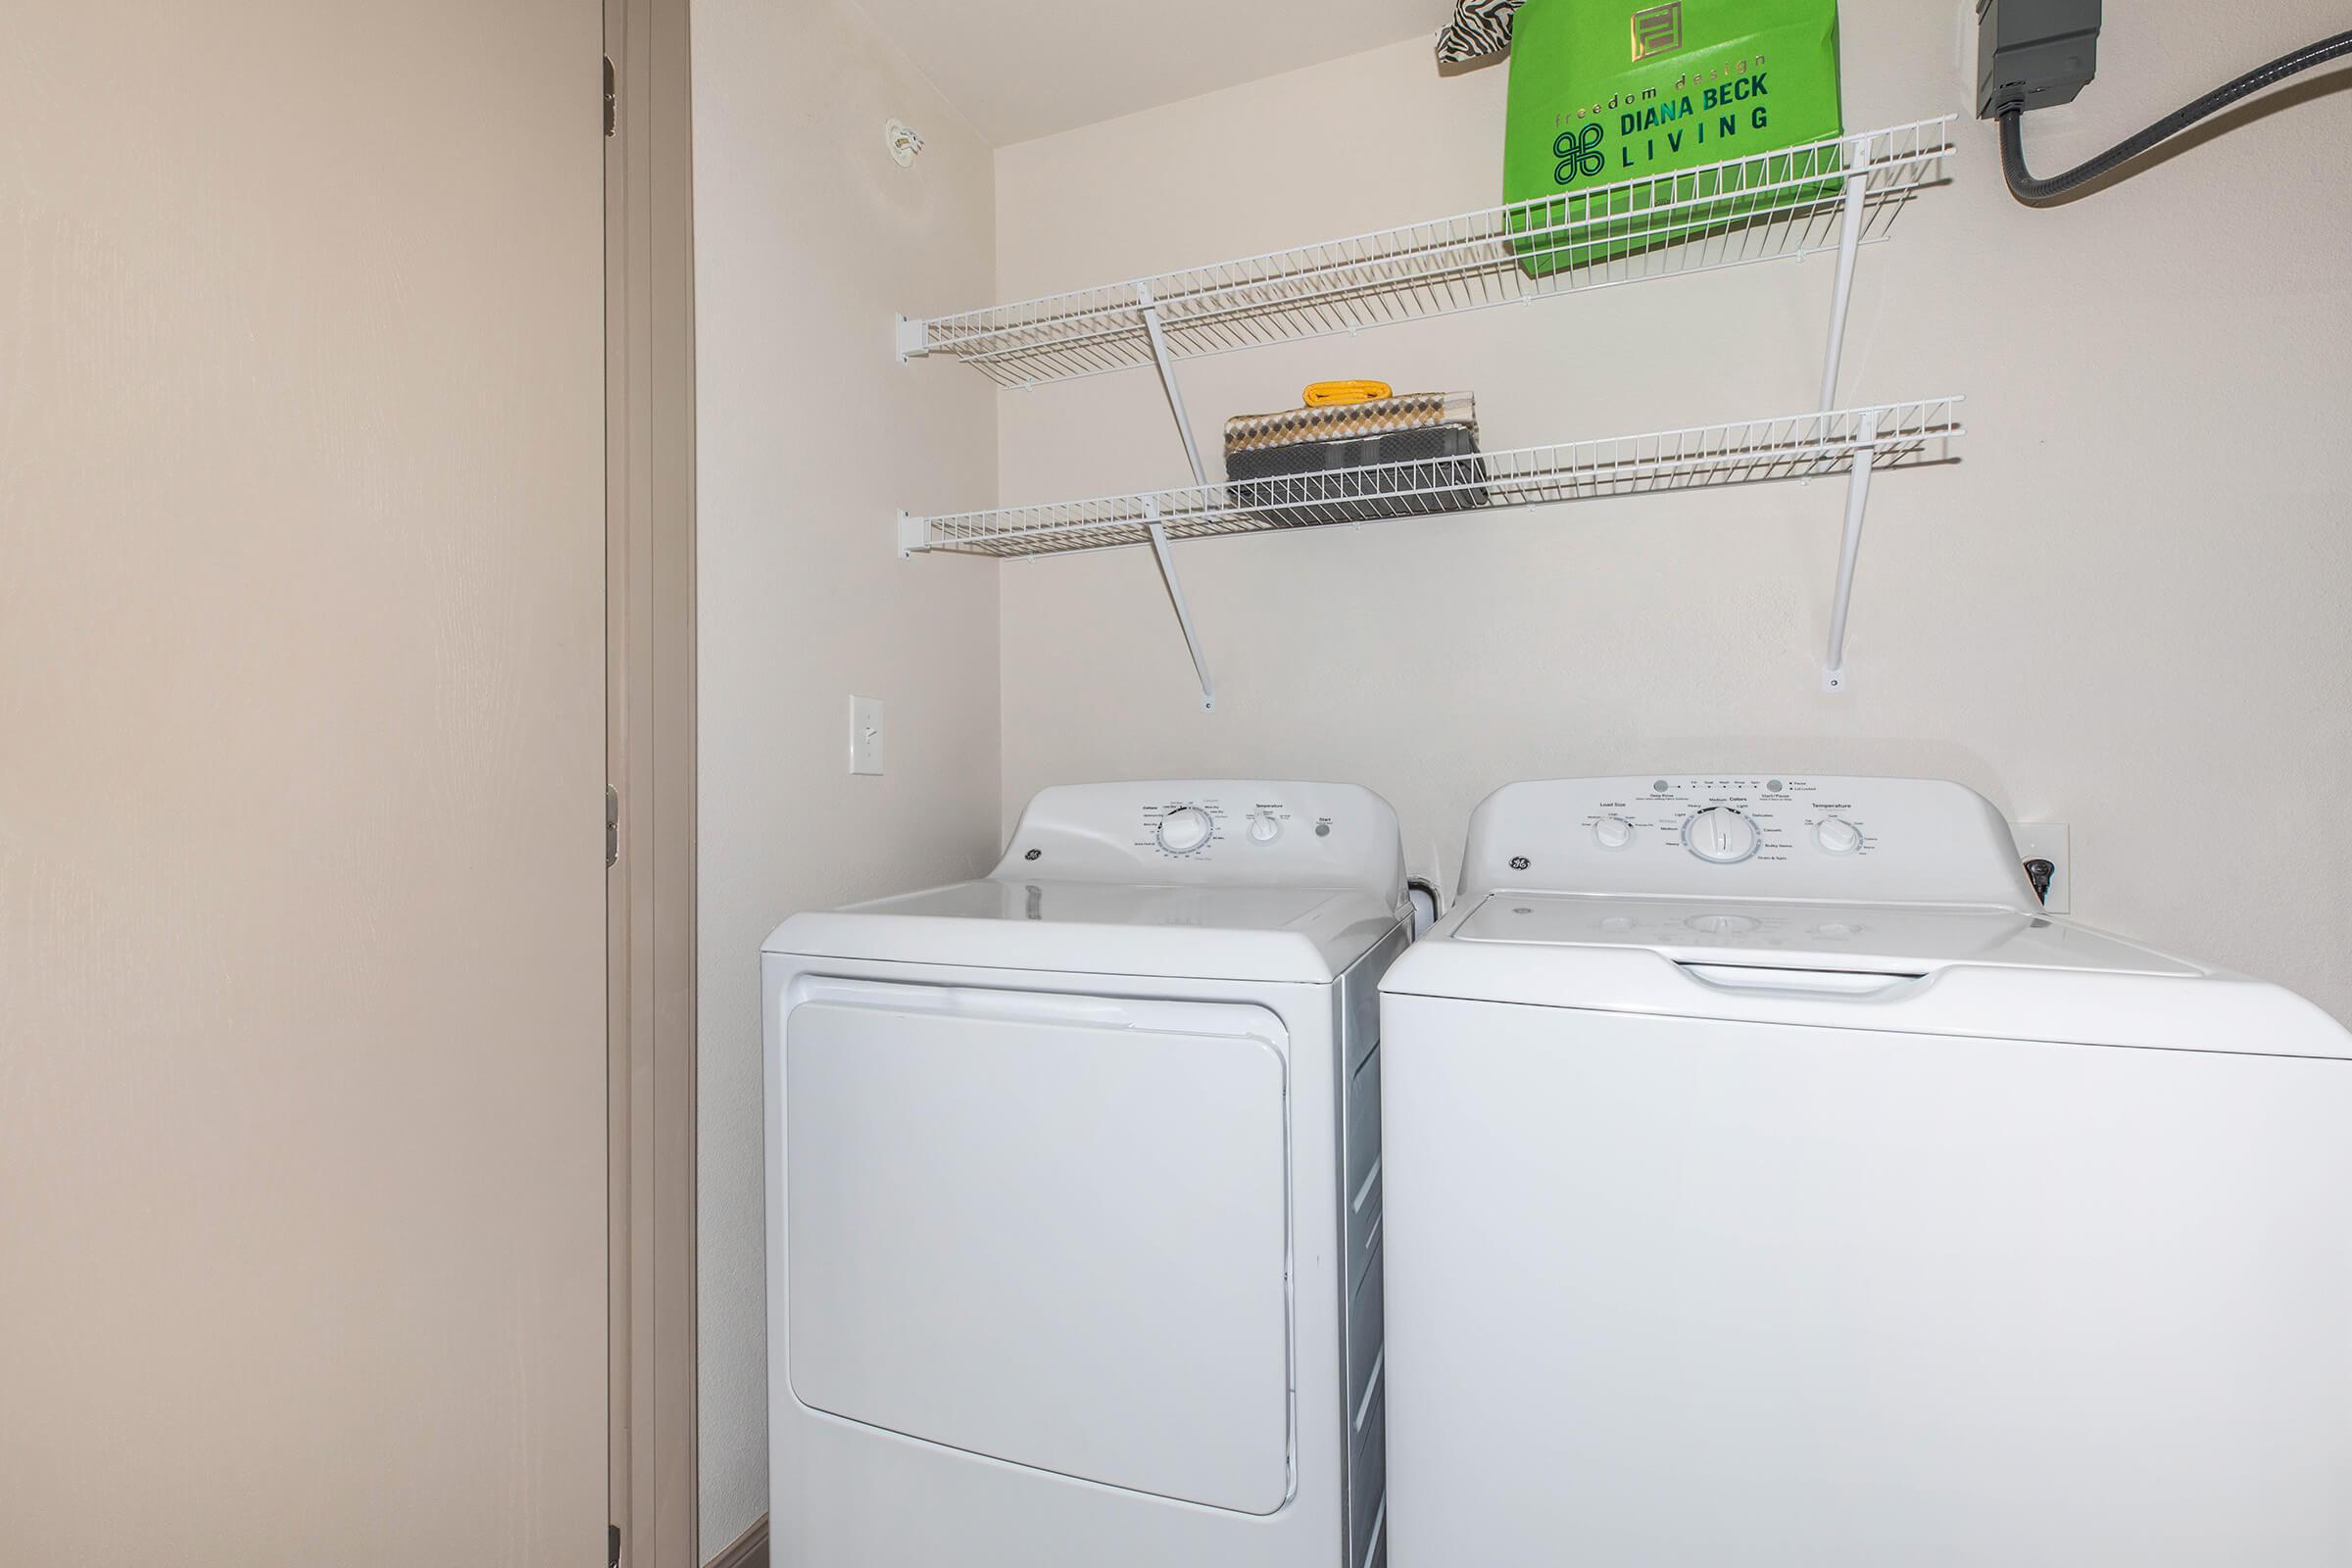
x=2031 y=54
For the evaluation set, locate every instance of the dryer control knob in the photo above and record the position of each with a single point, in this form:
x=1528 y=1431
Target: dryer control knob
x=1185 y=829
x=1264 y=828
x=1612 y=832
x=1720 y=835
x=1836 y=836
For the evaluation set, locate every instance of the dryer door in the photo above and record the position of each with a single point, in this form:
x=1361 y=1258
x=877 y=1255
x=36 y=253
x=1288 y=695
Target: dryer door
x=1049 y=1229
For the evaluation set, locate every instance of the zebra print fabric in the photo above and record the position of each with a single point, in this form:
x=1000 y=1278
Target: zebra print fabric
x=1480 y=28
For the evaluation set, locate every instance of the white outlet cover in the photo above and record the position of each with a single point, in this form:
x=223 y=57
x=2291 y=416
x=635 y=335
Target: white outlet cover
x=865 y=735
x=2049 y=841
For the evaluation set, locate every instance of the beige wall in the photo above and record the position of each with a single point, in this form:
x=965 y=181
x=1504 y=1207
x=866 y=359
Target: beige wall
x=2125 y=610
x=808 y=239
x=302 y=1047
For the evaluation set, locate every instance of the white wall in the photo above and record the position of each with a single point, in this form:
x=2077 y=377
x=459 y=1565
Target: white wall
x=2125 y=608
x=807 y=240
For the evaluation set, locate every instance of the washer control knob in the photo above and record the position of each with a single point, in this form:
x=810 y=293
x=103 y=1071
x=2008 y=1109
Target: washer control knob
x=1836 y=836
x=1720 y=835
x=1264 y=827
x=1185 y=829
x=1612 y=832
x=1723 y=925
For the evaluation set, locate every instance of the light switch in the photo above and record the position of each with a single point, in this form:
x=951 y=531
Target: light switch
x=865 y=735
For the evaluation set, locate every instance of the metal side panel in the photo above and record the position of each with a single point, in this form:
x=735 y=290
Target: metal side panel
x=1361 y=1189
x=1051 y=1230
x=1359 y=999
x=1366 y=1339
x=1358 y=1064
x=1367 y=1494
x=1362 y=1300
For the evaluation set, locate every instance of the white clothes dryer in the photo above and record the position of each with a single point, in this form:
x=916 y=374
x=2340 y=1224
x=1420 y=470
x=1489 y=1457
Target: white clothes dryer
x=1770 y=1182
x=1074 y=1193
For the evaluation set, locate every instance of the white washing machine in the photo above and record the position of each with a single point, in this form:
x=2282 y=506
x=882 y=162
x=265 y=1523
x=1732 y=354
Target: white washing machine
x=1771 y=1183
x=1075 y=1195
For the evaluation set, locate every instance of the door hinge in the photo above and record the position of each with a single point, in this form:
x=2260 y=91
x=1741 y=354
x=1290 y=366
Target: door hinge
x=611 y=825
x=611 y=97
x=611 y=1546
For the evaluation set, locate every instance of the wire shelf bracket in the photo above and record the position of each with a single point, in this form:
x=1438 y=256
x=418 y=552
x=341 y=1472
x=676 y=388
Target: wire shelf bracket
x=1849 y=550
x=1857 y=483
x=1192 y=453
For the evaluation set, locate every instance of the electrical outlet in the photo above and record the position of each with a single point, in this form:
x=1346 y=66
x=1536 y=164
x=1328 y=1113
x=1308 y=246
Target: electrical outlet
x=2047 y=841
x=865 y=735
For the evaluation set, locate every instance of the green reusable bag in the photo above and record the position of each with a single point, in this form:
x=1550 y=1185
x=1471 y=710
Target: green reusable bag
x=1607 y=91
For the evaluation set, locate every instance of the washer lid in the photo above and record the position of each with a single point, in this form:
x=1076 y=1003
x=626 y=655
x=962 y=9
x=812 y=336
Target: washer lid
x=1919 y=970
x=1878 y=937
x=1287 y=933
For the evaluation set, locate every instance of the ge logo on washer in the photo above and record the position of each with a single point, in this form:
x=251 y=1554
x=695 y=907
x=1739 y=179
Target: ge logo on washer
x=1519 y=862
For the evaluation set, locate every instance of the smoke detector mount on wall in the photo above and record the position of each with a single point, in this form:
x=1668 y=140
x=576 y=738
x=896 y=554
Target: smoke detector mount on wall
x=902 y=140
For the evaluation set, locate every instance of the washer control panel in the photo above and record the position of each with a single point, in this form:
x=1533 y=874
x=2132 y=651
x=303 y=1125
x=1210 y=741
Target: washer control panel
x=1236 y=832
x=1747 y=835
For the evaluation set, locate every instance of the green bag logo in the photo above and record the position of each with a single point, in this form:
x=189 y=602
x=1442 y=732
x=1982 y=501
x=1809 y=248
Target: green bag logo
x=1658 y=30
x=1579 y=153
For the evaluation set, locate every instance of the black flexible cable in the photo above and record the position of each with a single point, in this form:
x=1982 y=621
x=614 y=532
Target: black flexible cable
x=2047 y=192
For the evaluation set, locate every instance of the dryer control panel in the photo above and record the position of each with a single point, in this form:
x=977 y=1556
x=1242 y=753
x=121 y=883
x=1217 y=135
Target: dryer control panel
x=1747 y=835
x=1211 y=833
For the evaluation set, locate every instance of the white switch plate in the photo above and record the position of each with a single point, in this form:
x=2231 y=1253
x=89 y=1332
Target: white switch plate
x=2047 y=841
x=865 y=735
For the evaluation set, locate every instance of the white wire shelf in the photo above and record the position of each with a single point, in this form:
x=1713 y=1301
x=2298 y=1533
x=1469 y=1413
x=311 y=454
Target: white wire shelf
x=1889 y=435
x=1788 y=203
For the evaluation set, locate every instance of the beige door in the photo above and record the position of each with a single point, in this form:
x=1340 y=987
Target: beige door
x=302 y=1059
